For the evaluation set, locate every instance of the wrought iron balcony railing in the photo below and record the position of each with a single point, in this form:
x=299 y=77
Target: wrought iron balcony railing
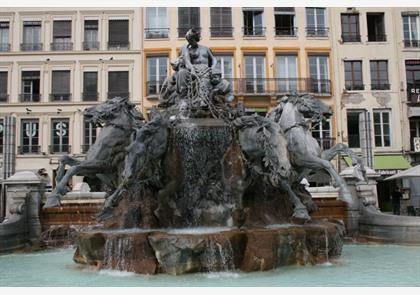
x=61 y=46
x=254 y=31
x=377 y=38
x=118 y=94
x=285 y=31
x=91 y=45
x=90 y=96
x=4 y=47
x=4 y=97
x=29 y=149
x=317 y=31
x=412 y=43
x=118 y=45
x=182 y=31
x=351 y=37
x=221 y=31
x=29 y=97
x=156 y=33
x=380 y=86
x=354 y=87
x=153 y=87
x=31 y=46
x=60 y=97
x=60 y=148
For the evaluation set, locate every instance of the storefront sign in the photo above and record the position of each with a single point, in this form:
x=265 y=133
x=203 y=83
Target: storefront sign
x=388 y=171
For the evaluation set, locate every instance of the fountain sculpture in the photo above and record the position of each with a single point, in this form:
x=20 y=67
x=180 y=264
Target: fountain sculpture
x=201 y=186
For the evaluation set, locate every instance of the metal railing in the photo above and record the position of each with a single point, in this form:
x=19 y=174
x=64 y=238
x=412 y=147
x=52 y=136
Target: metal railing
x=118 y=45
x=254 y=31
x=411 y=43
x=29 y=149
x=118 y=94
x=61 y=46
x=153 y=87
x=326 y=143
x=380 y=86
x=60 y=96
x=91 y=45
x=317 y=31
x=351 y=37
x=31 y=46
x=156 y=33
x=182 y=31
x=285 y=31
x=351 y=87
x=29 y=97
x=279 y=86
x=90 y=96
x=59 y=148
x=4 y=97
x=4 y=47
x=377 y=38
x=221 y=31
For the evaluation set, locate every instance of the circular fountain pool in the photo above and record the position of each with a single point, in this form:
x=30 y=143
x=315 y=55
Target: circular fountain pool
x=359 y=265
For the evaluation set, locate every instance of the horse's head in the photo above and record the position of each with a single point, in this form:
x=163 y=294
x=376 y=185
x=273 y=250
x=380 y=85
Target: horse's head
x=310 y=107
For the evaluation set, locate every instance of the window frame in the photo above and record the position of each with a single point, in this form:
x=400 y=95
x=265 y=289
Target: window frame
x=353 y=80
x=381 y=124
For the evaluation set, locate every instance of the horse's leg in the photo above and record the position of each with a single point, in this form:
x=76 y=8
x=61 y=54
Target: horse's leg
x=65 y=160
x=300 y=212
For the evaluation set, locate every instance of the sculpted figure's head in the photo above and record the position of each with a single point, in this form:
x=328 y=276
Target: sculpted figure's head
x=216 y=77
x=178 y=63
x=193 y=36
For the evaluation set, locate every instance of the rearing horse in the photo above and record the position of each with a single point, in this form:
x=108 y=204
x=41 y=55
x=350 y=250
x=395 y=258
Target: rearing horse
x=105 y=159
x=293 y=114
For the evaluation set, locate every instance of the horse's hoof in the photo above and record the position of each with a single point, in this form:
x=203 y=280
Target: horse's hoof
x=52 y=201
x=105 y=214
x=300 y=216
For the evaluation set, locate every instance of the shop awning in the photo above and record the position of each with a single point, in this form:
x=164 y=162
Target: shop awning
x=386 y=162
x=412 y=172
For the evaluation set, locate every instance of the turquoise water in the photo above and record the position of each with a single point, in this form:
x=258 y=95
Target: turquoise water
x=359 y=265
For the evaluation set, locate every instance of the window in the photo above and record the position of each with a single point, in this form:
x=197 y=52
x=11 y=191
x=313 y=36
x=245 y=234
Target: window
x=379 y=75
x=319 y=74
x=353 y=129
x=157 y=71
x=89 y=136
x=4 y=36
x=381 y=124
x=221 y=22
x=321 y=131
x=60 y=86
x=254 y=74
x=350 y=27
x=412 y=72
x=225 y=65
x=30 y=86
x=284 y=18
x=91 y=35
x=60 y=136
x=29 y=136
x=316 y=22
x=156 y=23
x=414 y=131
x=353 y=75
x=3 y=87
x=1 y=135
x=90 y=86
x=188 y=18
x=411 y=27
x=253 y=21
x=376 y=27
x=118 y=35
x=286 y=73
x=118 y=84
x=31 y=36
x=62 y=35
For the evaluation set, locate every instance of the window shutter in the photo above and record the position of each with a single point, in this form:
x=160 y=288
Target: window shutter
x=284 y=10
x=60 y=82
x=90 y=81
x=4 y=25
x=3 y=82
x=118 y=82
x=189 y=17
x=118 y=30
x=30 y=75
x=62 y=29
x=32 y=24
x=221 y=17
x=91 y=24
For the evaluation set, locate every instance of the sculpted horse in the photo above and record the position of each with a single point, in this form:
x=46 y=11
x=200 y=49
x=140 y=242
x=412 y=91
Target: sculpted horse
x=265 y=149
x=142 y=161
x=118 y=118
x=293 y=114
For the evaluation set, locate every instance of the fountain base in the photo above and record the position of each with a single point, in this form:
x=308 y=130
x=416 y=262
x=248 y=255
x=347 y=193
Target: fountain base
x=179 y=251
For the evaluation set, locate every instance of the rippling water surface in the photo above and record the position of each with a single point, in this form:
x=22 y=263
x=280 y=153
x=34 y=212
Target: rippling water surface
x=360 y=265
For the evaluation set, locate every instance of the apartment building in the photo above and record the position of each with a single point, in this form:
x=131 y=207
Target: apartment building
x=54 y=63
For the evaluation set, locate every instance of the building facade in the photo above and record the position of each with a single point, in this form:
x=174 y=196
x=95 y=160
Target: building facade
x=362 y=62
